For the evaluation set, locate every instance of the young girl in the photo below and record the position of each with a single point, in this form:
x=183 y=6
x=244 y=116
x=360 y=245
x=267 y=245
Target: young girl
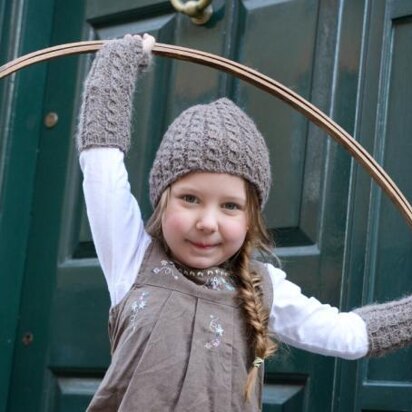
x=191 y=310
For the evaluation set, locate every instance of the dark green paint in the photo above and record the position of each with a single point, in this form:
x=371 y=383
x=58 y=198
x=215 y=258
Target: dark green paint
x=283 y=398
x=379 y=242
x=21 y=114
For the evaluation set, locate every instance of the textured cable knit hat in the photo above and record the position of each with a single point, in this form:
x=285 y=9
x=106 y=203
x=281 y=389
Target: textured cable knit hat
x=216 y=137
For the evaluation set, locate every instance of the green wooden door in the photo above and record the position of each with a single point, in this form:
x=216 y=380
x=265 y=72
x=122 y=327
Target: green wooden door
x=314 y=47
x=20 y=111
x=379 y=263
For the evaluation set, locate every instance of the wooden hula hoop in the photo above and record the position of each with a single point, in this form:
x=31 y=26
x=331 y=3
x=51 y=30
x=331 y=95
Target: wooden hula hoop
x=253 y=77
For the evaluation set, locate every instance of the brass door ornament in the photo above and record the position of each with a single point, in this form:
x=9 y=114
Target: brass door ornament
x=200 y=11
x=255 y=78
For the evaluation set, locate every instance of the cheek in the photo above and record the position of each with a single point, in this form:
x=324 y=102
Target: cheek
x=172 y=224
x=236 y=232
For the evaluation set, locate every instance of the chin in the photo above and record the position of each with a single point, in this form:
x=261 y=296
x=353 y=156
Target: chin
x=199 y=263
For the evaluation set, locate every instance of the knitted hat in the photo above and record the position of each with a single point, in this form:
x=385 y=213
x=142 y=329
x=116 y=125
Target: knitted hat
x=217 y=137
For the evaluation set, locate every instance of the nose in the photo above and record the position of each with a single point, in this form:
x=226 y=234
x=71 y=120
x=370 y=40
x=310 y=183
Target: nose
x=207 y=221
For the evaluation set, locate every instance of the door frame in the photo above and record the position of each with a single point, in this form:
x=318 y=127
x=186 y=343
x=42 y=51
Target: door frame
x=27 y=26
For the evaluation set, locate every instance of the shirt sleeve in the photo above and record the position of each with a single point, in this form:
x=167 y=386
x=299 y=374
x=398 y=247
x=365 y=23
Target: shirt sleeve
x=307 y=324
x=115 y=218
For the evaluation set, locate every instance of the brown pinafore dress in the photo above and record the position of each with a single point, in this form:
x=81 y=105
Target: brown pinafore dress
x=178 y=345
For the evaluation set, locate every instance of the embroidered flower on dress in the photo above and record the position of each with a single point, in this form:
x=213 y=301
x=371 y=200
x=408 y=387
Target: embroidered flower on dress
x=216 y=328
x=137 y=306
x=165 y=268
x=218 y=283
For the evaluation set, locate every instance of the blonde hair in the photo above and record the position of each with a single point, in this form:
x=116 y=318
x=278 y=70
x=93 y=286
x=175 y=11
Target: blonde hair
x=250 y=283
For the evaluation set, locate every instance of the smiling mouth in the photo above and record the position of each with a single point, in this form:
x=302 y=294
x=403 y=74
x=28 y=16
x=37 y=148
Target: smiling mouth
x=203 y=246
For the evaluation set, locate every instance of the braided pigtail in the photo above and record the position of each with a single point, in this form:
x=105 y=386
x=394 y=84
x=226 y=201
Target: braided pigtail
x=250 y=289
x=250 y=294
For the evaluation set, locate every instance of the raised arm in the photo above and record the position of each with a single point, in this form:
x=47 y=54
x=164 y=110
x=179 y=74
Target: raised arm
x=106 y=110
x=103 y=138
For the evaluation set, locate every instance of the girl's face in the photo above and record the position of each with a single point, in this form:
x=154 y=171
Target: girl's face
x=205 y=221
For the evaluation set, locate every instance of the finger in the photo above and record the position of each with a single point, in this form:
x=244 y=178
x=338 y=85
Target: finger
x=148 y=43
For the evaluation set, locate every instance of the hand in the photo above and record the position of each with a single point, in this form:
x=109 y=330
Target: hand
x=148 y=41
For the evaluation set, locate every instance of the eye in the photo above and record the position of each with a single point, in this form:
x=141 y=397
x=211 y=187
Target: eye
x=189 y=198
x=231 y=206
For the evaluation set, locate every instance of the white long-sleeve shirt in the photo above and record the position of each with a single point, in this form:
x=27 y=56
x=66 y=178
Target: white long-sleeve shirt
x=121 y=242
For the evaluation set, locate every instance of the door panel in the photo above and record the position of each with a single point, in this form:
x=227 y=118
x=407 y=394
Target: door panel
x=389 y=246
x=290 y=60
x=380 y=239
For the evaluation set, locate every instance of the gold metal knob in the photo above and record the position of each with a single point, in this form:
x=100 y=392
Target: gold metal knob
x=51 y=119
x=200 y=10
x=27 y=339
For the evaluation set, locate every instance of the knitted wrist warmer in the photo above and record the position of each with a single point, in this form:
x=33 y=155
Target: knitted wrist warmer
x=389 y=325
x=107 y=101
